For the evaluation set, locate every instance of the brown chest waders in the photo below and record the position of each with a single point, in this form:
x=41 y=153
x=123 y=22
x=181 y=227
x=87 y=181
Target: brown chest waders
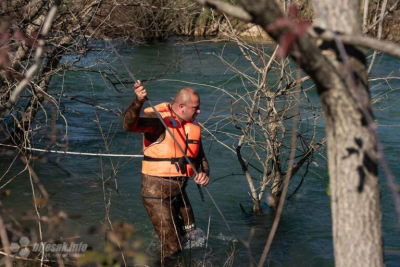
x=169 y=209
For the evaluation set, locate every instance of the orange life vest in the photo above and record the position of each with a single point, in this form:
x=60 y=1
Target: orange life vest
x=164 y=158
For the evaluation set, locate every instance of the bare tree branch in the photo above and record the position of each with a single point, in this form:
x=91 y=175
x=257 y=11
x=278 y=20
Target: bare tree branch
x=389 y=48
x=39 y=52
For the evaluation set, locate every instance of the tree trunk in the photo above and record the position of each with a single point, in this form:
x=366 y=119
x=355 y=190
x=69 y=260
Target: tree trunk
x=352 y=151
x=276 y=172
x=256 y=207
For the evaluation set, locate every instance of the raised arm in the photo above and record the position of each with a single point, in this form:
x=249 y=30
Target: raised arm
x=132 y=120
x=132 y=113
x=131 y=116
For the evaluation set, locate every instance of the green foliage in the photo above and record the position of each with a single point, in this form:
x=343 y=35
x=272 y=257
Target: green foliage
x=328 y=189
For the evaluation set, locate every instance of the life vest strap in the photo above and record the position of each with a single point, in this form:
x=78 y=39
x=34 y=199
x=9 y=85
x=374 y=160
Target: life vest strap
x=180 y=163
x=172 y=160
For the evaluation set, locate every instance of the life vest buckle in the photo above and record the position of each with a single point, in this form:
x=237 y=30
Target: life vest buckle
x=180 y=164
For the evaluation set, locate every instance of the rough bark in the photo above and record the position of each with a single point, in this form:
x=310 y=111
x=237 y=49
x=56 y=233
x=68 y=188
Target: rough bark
x=352 y=155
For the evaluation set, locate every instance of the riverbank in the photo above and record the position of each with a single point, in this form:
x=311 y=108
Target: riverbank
x=148 y=21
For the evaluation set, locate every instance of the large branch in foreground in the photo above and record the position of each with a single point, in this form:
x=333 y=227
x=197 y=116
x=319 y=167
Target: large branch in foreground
x=357 y=40
x=362 y=41
x=342 y=84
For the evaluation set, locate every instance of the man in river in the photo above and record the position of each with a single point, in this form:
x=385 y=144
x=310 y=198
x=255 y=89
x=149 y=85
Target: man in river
x=165 y=171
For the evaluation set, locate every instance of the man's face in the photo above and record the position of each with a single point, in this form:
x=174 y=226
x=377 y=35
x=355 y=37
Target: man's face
x=190 y=110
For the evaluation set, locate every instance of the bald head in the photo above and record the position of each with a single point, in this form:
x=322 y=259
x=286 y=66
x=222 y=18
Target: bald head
x=186 y=104
x=185 y=95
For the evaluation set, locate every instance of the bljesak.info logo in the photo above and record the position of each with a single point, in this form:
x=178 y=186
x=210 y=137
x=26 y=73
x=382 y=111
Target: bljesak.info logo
x=24 y=248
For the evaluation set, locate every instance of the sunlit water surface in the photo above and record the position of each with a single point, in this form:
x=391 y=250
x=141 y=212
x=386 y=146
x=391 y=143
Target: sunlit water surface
x=304 y=235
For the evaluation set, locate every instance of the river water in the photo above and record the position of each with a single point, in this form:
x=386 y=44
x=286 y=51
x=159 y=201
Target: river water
x=76 y=184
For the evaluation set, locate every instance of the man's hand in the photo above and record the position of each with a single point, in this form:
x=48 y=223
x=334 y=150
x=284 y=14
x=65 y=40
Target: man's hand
x=202 y=179
x=140 y=92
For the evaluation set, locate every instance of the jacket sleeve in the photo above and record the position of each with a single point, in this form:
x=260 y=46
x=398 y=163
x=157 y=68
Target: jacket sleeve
x=134 y=123
x=131 y=115
x=201 y=160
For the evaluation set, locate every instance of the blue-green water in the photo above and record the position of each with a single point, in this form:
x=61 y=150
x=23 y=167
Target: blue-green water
x=304 y=235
